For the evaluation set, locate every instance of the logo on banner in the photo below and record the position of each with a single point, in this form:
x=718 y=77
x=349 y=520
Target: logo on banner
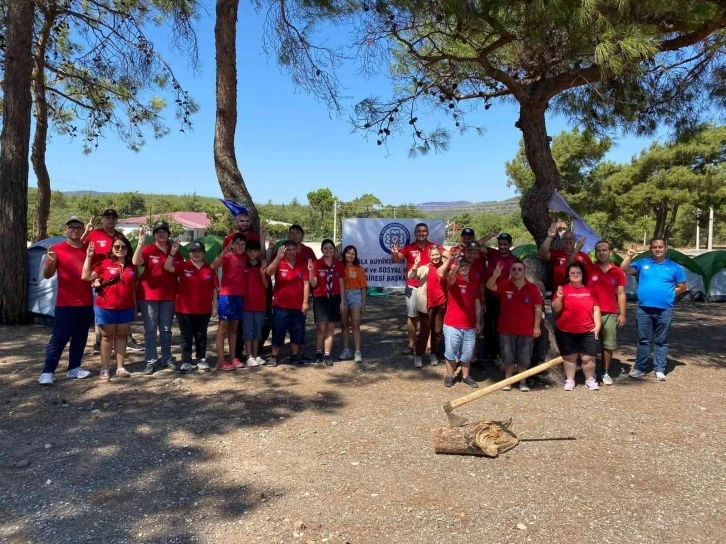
x=394 y=233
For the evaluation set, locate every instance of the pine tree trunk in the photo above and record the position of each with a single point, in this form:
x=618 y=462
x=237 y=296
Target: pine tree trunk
x=225 y=161
x=14 y=150
x=42 y=197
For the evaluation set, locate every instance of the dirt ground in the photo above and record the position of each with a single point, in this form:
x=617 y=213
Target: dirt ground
x=343 y=454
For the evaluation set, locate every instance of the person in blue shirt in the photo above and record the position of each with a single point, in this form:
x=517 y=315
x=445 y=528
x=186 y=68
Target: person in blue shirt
x=660 y=281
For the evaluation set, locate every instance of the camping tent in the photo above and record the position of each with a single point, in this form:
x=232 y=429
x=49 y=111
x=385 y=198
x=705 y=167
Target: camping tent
x=41 y=292
x=524 y=251
x=695 y=276
x=713 y=265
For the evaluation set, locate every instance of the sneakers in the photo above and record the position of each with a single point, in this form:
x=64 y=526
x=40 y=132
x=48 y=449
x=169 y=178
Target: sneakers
x=347 y=355
x=635 y=373
x=591 y=384
x=434 y=359
x=507 y=388
x=523 y=387
x=226 y=366
x=449 y=381
x=358 y=357
x=569 y=385
x=237 y=363
x=468 y=380
x=660 y=376
x=150 y=368
x=297 y=361
x=327 y=360
x=271 y=361
x=318 y=357
x=203 y=365
x=606 y=379
x=97 y=349
x=259 y=360
x=78 y=373
x=185 y=367
x=417 y=362
x=133 y=346
x=46 y=378
x=252 y=362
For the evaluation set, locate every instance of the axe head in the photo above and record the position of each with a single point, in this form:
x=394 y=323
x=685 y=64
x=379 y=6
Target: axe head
x=454 y=420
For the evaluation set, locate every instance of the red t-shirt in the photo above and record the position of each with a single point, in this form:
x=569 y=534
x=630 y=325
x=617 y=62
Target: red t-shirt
x=436 y=287
x=577 y=309
x=304 y=253
x=233 y=274
x=72 y=290
x=196 y=288
x=255 y=293
x=558 y=258
x=461 y=308
x=516 y=314
x=120 y=294
x=290 y=285
x=495 y=258
x=477 y=272
x=605 y=285
x=102 y=243
x=249 y=235
x=410 y=252
x=157 y=283
x=321 y=271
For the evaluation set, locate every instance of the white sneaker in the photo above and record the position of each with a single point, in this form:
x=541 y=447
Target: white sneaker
x=417 y=362
x=606 y=379
x=635 y=373
x=523 y=387
x=259 y=360
x=434 y=359
x=252 y=362
x=660 y=376
x=78 y=373
x=358 y=357
x=46 y=378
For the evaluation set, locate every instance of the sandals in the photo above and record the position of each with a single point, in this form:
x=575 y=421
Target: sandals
x=104 y=375
x=123 y=373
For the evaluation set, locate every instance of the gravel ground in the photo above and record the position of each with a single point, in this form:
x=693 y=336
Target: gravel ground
x=343 y=454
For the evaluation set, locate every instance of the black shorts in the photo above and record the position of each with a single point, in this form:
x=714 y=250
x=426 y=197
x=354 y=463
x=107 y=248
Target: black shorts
x=326 y=309
x=571 y=343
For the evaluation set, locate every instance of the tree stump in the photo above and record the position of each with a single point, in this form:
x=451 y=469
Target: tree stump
x=483 y=438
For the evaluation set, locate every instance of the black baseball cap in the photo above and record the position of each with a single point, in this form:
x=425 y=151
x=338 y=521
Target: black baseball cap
x=161 y=225
x=109 y=211
x=468 y=231
x=197 y=245
x=505 y=236
x=472 y=245
x=74 y=219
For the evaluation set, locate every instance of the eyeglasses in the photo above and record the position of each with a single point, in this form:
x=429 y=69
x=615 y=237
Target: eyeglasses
x=517 y=269
x=74 y=228
x=119 y=248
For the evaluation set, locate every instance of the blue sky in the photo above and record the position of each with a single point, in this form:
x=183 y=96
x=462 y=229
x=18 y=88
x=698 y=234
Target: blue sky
x=288 y=144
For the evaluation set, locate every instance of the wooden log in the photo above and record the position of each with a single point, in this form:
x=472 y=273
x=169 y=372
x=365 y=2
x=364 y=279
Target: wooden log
x=482 y=438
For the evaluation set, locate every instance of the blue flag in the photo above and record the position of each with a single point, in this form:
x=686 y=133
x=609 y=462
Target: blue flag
x=234 y=208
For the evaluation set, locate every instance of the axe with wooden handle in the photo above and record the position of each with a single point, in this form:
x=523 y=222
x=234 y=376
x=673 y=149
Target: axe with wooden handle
x=458 y=421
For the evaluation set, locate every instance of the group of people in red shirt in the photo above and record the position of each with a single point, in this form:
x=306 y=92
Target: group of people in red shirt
x=98 y=278
x=467 y=289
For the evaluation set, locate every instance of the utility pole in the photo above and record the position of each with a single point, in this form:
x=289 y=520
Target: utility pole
x=697 y=212
x=335 y=221
x=710 y=228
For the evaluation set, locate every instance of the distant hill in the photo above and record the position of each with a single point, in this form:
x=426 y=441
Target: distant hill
x=440 y=205
x=498 y=207
x=91 y=193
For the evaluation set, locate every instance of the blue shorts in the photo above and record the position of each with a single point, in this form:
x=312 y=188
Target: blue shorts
x=459 y=344
x=284 y=321
x=353 y=298
x=252 y=325
x=230 y=307
x=114 y=317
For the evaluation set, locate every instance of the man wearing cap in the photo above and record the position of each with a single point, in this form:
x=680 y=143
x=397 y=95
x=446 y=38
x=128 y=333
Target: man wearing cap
x=102 y=239
x=155 y=294
x=73 y=304
x=558 y=257
x=500 y=256
x=410 y=252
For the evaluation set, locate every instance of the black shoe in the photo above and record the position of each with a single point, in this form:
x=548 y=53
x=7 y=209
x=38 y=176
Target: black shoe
x=470 y=382
x=96 y=349
x=134 y=346
x=328 y=361
x=449 y=381
x=319 y=357
x=271 y=361
x=150 y=369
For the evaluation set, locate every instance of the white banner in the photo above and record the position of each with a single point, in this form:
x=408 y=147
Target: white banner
x=373 y=239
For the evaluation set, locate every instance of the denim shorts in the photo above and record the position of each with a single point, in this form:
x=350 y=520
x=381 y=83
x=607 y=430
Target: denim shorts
x=252 y=325
x=284 y=321
x=459 y=344
x=353 y=298
x=230 y=307
x=114 y=317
